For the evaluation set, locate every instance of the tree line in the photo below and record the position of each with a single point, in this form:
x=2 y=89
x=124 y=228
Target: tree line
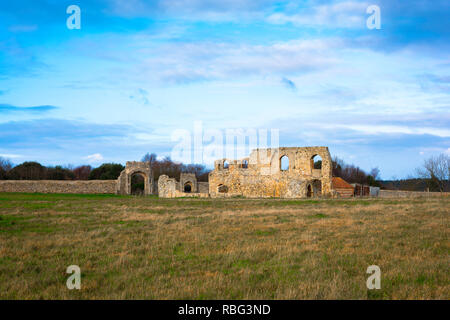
x=31 y=170
x=354 y=174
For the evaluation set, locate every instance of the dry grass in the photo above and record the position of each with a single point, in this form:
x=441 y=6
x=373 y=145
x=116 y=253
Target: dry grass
x=150 y=248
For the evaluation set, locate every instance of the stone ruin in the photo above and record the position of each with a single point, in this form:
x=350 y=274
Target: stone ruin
x=272 y=172
x=263 y=175
x=188 y=186
x=135 y=168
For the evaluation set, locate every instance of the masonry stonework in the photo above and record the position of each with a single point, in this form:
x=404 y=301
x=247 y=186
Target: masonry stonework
x=135 y=167
x=188 y=186
x=261 y=175
x=59 y=186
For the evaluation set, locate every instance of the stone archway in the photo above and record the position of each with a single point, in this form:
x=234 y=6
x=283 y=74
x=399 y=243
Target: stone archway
x=137 y=184
x=188 y=187
x=188 y=183
x=132 y=168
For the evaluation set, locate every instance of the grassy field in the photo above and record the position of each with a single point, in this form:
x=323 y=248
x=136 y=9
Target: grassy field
x=148 y=248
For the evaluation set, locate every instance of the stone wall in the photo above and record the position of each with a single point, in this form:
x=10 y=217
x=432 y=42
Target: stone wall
x=188 y=179
x=59 y=186
x=171 y=188
x=410 y=194
x=203 y=187
x=167 y=187
x=261 y=175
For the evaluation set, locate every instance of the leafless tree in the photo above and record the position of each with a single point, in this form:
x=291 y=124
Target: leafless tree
x=82 y=172
x=5 y=164
x=436 y=170
x=174 y=169
x=375 y=172
x=149 y=157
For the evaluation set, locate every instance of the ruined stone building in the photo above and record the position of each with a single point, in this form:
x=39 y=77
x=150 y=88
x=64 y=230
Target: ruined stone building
x=188 y=186
x=273 y=172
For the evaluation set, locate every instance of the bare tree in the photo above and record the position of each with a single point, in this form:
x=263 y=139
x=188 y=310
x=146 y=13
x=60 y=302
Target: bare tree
x=5 y=164
x=82 y=172
x=149 y=157
x=375 y=172
x=436 y=170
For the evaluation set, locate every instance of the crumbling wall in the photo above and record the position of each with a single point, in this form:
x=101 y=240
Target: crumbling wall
x=167 y=187
x=188 y=181
x=171 y=188
x=135 y=167
x=262 y=175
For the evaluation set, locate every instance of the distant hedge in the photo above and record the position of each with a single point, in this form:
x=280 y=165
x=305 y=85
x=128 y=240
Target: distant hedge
x=31 y=170
x=107 y=171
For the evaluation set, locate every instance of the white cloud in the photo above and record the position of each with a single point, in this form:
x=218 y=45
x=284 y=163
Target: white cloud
x=347 y=14
x=207 y=10
x=9 y=155
x=188 y=62
x=96 y=157
x=380 y=129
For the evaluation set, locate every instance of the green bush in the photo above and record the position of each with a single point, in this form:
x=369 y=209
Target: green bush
x=107 y=171
x=28 y=171
x=60 y=173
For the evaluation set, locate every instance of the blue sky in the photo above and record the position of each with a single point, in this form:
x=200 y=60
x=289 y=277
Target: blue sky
x=138 y=70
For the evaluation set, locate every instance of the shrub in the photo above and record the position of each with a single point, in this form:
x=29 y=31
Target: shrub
x=28 y=171
x=107 y=171
x=60 y=173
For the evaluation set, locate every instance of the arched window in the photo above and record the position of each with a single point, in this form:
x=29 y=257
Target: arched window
x=284 y=163
x=226 y=164
x=222 y=189
x=316 y=162
x=245 y=164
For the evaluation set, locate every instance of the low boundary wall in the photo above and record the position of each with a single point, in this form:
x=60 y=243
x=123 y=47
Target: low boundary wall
x=410 y=194
x=59 y=186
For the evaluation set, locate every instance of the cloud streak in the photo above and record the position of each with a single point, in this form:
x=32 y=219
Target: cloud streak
x=345 y=14
x=7 y=108
x=190 y=62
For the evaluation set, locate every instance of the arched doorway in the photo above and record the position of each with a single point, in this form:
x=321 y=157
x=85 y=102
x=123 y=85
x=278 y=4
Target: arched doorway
x=126 y=180
x=309 y=191
x=187 y=187
x=137 y=184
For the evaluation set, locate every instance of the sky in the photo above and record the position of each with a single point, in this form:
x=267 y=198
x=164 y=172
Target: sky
x=137 y=72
